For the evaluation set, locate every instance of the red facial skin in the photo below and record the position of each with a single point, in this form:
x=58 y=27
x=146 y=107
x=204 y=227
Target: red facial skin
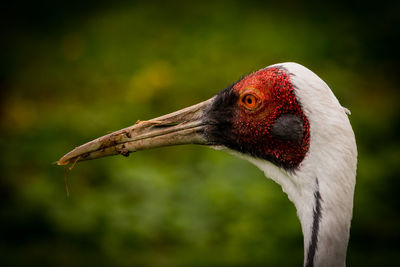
x=274 y=93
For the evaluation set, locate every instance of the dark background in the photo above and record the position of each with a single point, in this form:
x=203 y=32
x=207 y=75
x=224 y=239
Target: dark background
x=72 y=71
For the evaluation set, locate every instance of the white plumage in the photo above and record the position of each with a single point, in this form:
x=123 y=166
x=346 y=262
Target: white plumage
x=331 y=160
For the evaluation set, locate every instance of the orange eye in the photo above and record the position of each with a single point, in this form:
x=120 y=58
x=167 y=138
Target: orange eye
x=250 y=101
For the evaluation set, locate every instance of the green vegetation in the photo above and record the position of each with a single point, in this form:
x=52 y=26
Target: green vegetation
x=74 y=72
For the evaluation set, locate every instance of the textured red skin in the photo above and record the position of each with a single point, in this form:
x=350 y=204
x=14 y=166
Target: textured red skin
x=276 y=92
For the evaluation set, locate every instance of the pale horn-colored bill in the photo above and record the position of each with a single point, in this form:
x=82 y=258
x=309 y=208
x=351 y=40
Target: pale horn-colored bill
x=184 y=126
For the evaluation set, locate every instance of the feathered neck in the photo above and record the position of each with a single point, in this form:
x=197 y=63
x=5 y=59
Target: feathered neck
x=322 y=188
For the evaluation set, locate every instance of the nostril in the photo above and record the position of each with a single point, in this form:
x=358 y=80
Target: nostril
x=166 y=125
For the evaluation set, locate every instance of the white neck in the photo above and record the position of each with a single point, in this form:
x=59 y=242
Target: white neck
x=325 y=215
x=322 y=188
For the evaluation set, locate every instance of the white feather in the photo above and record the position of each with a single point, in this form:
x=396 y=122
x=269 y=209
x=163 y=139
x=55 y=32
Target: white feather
x=332 y=159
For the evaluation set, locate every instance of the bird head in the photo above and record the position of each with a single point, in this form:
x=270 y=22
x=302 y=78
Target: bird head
x=285 y=120
x=258 y=116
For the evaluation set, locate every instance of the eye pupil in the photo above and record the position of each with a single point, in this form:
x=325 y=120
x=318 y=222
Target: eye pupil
x=250 y=101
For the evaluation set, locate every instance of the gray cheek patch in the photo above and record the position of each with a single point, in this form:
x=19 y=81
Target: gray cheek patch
x=288 y=127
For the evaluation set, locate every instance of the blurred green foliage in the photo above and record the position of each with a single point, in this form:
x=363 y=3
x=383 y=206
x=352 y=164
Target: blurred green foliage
x=73 y=71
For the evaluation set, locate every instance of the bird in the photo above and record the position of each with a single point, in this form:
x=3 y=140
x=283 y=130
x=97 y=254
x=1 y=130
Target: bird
x=286 y=121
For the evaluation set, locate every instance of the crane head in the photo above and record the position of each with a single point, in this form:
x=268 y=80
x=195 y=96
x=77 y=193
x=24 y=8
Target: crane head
x=258 y=115
x=286 y=121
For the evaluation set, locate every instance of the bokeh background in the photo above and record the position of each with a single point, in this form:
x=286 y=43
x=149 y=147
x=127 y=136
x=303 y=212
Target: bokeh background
x=71 y=71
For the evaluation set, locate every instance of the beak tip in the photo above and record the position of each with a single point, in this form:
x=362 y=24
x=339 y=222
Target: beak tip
x=61 y=162
x=64 y=160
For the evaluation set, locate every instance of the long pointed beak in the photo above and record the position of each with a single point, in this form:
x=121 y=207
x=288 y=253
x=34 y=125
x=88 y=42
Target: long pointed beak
x=185 y=126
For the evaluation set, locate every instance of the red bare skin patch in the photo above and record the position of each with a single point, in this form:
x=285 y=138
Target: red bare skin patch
x=274 y=95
